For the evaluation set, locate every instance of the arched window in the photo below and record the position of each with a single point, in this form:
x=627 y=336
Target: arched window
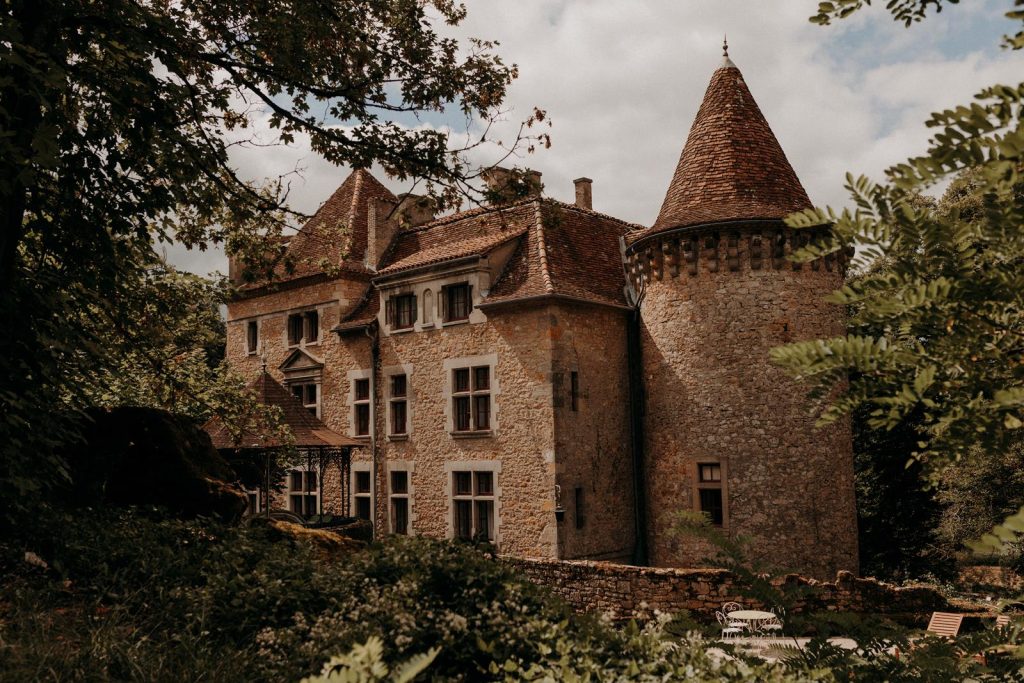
x=428 y=307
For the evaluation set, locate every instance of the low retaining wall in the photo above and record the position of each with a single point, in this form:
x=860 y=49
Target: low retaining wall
x=636 y=592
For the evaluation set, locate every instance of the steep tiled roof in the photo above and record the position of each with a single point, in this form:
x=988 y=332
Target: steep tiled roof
x=306 y=428
x=364 y=312
x=732 y=167
x=468 y=233
x=562 y=250
x=568 y=251
x=337 y=232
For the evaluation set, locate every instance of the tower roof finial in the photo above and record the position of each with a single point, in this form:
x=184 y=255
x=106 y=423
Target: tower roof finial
x=726 y=62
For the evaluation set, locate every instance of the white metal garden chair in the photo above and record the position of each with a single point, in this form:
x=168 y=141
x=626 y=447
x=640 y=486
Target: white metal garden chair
x=728 y=607
x=771 y=628
x=728 y=629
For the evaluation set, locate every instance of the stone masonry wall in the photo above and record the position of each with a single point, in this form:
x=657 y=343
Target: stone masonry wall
x=521 y=443
x=712 y=395
x=592 y=451
x=636 y=592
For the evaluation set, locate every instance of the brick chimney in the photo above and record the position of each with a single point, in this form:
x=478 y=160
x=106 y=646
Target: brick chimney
x=414 y=209
x=584 y=193
x=506 y=185
x=381 y=225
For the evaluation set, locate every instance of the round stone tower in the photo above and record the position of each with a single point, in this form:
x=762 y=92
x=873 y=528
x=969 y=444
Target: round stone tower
x=725 y=431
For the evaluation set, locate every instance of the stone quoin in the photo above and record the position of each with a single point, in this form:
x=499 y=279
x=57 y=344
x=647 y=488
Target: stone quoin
x=563 y=383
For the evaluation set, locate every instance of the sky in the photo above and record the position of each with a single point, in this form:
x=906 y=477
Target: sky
x=622 y=81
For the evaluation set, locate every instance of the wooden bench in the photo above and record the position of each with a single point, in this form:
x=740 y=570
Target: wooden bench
x=1002 y=620
x=945 y=624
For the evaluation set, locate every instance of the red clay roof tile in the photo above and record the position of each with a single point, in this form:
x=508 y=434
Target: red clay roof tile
x=732 y=167
x=337 y=232
x=307 y=430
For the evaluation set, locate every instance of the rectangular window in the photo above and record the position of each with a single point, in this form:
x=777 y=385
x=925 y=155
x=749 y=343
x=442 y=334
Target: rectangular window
x=403 y=311
x=361 y=494
x=252 y=336
x=471 y=403
x=303 y=492
x=400 y=502
x=709 y=491
x=457 y=302
x=294 y=329
x=710 y=472
x=312 y=320
x=361 y=407
x=309 y=394
x=399 y=404
x=463 y=483
x=574 y=390
x=473 y=515
x=253 y=499
x=580 y=518
x=362 y=389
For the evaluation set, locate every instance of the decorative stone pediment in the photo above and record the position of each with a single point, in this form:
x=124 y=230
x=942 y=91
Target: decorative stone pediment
x=300 y=365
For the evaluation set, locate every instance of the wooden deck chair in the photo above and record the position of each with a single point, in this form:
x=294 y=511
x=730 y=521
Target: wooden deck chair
x=945 y=624
x=1002 y=620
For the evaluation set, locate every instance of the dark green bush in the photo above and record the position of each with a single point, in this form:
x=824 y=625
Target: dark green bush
x=129 y=595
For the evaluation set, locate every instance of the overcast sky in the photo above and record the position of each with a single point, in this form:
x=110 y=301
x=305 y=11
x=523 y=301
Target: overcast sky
x=622 y=81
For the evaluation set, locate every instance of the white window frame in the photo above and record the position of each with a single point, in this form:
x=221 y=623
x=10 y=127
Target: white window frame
x=388 y=374
x=449 y=366
x=406 y=467
x=474 y=466
x=354 y=375
x=367 y=467
x=304 y=493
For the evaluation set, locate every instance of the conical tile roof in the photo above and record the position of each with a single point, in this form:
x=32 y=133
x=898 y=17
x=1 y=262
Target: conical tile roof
x=732 y=167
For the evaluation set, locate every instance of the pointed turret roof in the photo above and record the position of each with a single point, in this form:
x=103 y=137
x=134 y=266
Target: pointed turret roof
x=732 y=167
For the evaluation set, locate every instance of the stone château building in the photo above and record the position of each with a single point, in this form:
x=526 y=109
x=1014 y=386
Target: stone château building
x=562 y=382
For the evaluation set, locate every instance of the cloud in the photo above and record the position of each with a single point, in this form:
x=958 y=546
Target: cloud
x=622 y=82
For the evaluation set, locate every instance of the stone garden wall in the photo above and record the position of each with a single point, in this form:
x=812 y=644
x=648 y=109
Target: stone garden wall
x=636 y=592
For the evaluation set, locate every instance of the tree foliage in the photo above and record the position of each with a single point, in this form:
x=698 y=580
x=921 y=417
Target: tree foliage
x=979 y=492
x=118 y=118
x=939 y=330
x=898 y=515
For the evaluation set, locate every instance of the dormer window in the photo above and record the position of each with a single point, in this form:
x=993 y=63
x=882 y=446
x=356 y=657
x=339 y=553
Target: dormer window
x=401 y=311
x=457 y=302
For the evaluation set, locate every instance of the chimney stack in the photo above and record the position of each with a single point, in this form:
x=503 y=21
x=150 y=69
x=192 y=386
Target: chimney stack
x=507 y=185
x=414 y=209
x=380 y=228
x=584 y=193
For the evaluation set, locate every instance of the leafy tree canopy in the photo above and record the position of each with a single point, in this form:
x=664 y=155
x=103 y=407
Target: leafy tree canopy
x=940 y=329
x=117 y=120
